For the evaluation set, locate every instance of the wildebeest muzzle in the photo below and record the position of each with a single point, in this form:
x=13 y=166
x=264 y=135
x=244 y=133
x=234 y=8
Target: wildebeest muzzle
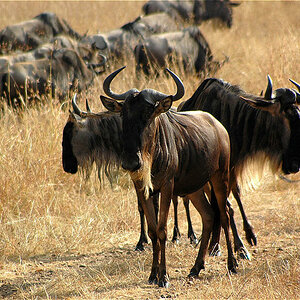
x=131 y=161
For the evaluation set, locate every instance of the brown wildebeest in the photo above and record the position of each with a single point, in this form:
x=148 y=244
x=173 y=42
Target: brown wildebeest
x=268 y=126
x=96 y=138
x=176 y=154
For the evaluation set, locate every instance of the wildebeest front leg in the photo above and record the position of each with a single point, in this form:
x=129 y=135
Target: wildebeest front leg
x=143 y=237
x=166 y=195
x=239 y=246
x=149 y=211
x=249 y=231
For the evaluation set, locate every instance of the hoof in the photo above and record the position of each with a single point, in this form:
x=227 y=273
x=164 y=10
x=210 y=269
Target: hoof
x=153 y=280
x=243 y=253
x=251 y=237
x=232 y=265
x=139 y=247
x=215 y=251
x=164 y=282
x=195 y=272
x=175 y=241
x=193 y=240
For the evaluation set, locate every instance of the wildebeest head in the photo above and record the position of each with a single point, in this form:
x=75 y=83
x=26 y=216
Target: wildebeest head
x=138 y=110
x=284 y=102
x=75 y=139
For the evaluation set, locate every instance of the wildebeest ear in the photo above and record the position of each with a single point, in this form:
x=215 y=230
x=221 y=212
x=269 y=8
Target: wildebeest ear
x=74 y=117
x=111 y=104
x=163 y=105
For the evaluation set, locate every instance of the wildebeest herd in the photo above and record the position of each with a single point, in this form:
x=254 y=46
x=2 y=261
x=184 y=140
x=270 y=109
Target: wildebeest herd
x=196 y=151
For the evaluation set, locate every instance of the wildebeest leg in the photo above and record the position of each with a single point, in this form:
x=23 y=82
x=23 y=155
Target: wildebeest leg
x=143 y=238
x=166 y=195
x=239 y=246
x=219 y=191
x=191 y=233
x=176 y=232
x=149 y=211
x=204 y=208
x=250 y=235
x=214 y=246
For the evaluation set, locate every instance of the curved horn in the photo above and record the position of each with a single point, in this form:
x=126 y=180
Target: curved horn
x=295 y=83
x=179 y=84
x=268 y=93
x=76 y=109
x=107 y=82
x=87 y=106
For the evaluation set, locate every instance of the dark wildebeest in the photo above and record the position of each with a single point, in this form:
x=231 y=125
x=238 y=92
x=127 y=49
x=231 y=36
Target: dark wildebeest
x=193 y=11
x=33 y=33
x=63 y=73
x=96 y=138
x=120 y=43
x=260 y=129
x=187 y=48
x=175 y=153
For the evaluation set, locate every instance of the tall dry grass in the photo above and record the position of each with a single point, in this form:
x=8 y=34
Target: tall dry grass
x=62 y=236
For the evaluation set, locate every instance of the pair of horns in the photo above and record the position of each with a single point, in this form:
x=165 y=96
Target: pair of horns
x=77 y=110
x=106 y=87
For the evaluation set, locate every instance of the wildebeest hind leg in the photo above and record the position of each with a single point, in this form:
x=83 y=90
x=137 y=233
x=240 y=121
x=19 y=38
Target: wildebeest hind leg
x=219 y=191
x=204 y=208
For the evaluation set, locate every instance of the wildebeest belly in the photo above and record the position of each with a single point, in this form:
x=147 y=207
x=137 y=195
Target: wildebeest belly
x=202 y=149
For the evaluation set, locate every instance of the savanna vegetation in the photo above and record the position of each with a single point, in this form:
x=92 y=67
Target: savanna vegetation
x=62 y=236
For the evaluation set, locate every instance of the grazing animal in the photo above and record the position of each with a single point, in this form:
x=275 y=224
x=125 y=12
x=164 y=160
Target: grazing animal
x=120 y=43
x=193 y=11
x=31 y=34
x=187 y=48
x=63 y=73
x=266 y=126
x=85 y=50
x=175 y=153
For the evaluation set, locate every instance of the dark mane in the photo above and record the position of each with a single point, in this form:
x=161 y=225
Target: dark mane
x=104 y=144
x=252 y=131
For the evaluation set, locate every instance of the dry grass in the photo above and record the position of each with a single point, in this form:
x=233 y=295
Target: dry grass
x=62 y=237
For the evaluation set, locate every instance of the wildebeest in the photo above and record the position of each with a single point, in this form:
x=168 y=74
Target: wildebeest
x=187 y=48
x=175 y=153
x=120 y=43
x=193 y=11
x=260 y=128
x=96 y=138
x=33 y=33
x=63 y=73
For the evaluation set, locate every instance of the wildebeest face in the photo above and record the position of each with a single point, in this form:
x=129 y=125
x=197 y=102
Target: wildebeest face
x=137 y=112
x=69 y=160
x=291 y=158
